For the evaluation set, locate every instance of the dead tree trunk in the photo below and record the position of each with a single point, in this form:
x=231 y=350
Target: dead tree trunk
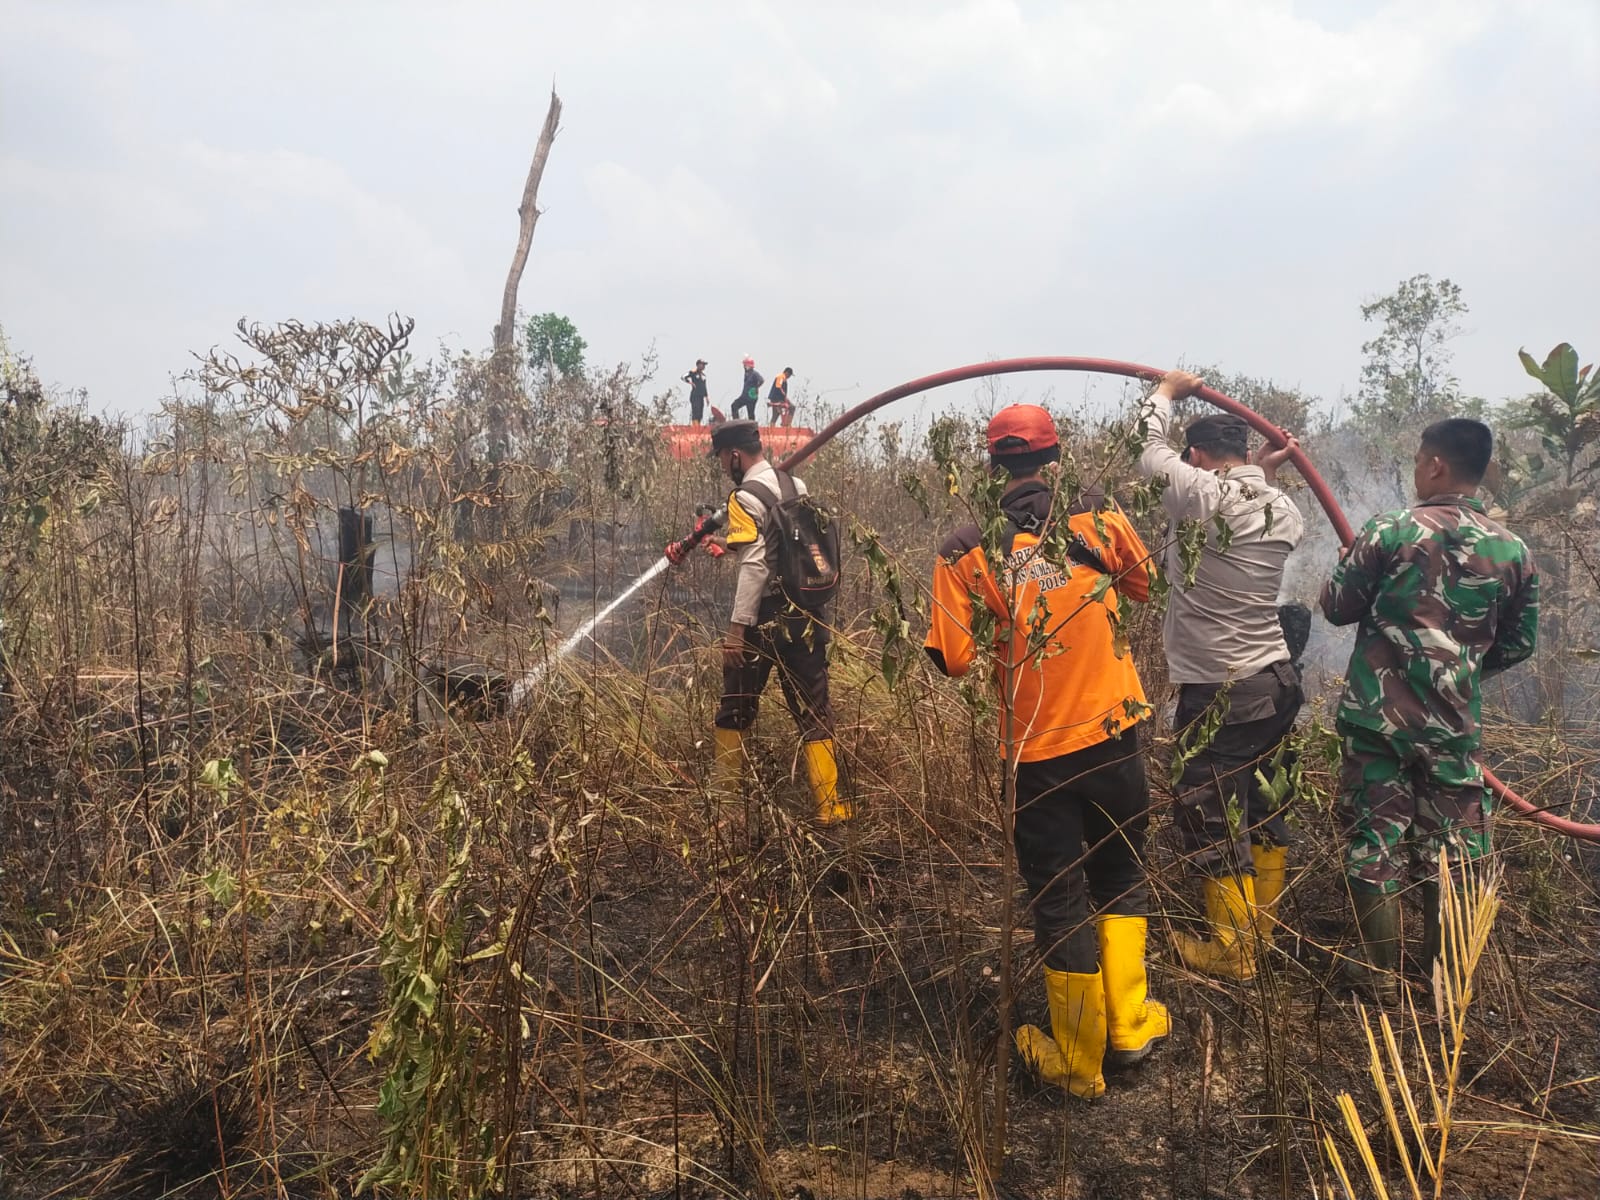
x=528 y=212
x=502 y=364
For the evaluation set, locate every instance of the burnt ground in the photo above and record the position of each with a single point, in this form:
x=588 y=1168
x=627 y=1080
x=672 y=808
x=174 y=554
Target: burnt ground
x=699 y=999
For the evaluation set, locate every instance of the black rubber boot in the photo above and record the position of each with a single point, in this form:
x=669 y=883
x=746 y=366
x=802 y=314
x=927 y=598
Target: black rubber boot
x=1375 y=971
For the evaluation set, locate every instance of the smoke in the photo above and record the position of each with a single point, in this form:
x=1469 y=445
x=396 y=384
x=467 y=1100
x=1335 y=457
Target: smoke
x=1363 y=485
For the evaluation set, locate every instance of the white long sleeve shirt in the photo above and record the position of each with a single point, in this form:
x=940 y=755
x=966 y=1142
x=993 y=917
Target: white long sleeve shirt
x=747 y=517
x=1225 y=626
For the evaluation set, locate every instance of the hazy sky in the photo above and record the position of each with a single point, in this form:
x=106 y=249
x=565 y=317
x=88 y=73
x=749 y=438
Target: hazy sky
x=865 y=192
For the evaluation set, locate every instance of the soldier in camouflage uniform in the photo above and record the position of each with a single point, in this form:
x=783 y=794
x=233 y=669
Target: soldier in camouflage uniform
x=1443 y=595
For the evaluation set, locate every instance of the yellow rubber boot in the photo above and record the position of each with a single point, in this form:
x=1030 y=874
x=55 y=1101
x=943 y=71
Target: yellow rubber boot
x=1070 y=1056
x=1133 y=1021
x=1231 y=912
x=1272 y=866
x=727 y=769
x=822 y=773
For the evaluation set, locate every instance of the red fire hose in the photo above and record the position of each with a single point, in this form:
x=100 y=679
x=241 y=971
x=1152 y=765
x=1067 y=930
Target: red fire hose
x=1105 y=366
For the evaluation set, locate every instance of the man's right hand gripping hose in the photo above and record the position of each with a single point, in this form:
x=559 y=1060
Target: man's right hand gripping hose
x=710 y=520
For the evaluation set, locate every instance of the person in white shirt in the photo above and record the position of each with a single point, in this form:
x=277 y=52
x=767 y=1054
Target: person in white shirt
x=1232 y=530
x=766 y=631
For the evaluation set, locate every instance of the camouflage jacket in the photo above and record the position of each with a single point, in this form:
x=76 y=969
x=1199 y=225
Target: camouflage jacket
x=1443 y=595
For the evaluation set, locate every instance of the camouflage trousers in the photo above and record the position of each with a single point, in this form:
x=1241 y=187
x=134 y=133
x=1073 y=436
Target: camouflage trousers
x=1402 y=799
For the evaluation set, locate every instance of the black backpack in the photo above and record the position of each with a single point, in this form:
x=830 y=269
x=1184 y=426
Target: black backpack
x=803 y=544
x=1078 y=550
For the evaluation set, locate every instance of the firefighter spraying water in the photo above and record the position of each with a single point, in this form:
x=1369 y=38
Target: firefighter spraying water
x=786 y=572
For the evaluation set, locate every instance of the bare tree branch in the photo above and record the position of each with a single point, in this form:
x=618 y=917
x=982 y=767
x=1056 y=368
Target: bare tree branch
x=528 y=212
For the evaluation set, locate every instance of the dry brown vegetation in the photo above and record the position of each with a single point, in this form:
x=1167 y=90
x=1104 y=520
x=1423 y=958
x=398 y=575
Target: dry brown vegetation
x=284 y=915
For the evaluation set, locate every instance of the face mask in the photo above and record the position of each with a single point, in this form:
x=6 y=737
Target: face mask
x=736 y=470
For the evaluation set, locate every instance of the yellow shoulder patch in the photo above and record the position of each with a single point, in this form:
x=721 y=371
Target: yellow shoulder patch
x=741 y=527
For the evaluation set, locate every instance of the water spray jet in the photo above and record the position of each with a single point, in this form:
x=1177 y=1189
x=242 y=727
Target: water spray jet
x=523 y=688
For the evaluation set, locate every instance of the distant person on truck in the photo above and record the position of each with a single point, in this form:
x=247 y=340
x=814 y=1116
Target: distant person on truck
x=1441 y=595
x=696 y=379
x=751 y=393
x=781 y=412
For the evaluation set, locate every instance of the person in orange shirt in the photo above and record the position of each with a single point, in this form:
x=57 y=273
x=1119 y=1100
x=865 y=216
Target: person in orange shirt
x=779 y=410
x=1070 y=703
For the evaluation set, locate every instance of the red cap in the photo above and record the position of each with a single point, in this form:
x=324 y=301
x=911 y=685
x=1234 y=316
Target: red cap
x=1021 y=429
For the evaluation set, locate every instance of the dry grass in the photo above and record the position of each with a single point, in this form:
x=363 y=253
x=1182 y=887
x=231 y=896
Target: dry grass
x=273 y=928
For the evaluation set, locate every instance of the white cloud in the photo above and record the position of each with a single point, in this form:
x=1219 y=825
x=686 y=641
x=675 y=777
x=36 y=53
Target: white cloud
x=879 y=189
x=1228 y=68
x=262 y=183
x=1274 y=69
x=677 y=220
x=114 y=201
x=34 y=24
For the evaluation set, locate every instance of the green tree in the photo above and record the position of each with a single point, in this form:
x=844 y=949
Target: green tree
x=1551 y=490
x=1406 y=379
x=555 y=349
x=50 y=457
x=1566 y=416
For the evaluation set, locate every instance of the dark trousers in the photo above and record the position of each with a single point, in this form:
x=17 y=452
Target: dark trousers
x=1080 y=831
x=746 y=403
x=798 y=648
x=697 y=405
x=1222 y=807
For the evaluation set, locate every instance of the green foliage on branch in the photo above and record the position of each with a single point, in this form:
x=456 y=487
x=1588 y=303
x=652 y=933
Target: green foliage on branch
x=436 y=1140
x=51 y=457
x=555 y=349
x=1566 y=417
x=1406 y=380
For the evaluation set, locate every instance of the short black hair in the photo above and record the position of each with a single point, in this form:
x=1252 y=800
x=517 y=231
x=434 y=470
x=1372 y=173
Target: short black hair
x=1219 y=433
x=1465 y=445
x=1025 y=463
